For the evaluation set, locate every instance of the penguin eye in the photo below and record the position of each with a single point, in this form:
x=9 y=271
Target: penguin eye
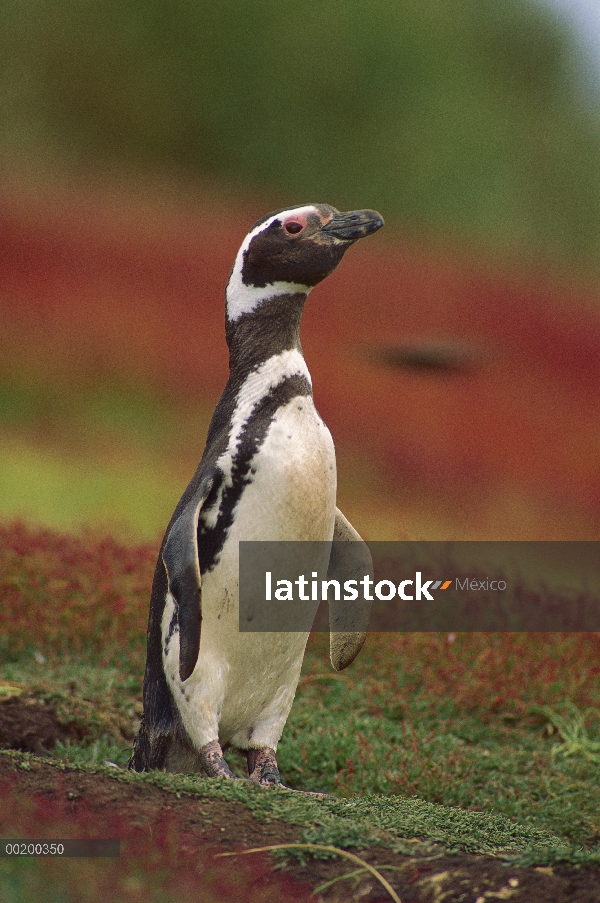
x=293 y=227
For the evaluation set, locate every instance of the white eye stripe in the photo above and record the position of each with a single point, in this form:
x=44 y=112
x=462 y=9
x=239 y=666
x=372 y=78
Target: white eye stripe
x=243 y=299
x=282 y=215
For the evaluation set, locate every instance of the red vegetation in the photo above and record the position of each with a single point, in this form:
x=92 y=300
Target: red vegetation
x=504 y=674
x=65 y=594
x=92 y=289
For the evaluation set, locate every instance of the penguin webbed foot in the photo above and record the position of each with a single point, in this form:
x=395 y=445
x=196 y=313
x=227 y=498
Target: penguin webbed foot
x=213 y=761
x=262 y=767
x=264 y=771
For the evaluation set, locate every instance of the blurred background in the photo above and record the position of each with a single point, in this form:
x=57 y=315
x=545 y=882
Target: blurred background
x=455 y=355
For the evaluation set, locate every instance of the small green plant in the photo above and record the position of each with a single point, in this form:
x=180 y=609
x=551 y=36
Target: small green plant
x=102 y=751
x=573 y=733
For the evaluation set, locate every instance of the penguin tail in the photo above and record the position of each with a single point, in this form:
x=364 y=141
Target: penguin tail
x=149 y=749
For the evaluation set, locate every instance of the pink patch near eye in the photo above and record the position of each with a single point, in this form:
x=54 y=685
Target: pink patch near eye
x=293 y=227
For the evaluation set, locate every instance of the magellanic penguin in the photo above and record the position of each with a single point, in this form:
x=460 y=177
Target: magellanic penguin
x=268 y=473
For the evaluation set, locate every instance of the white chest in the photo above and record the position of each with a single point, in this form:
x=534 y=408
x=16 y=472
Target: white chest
x=243 y=684
x=292 y=489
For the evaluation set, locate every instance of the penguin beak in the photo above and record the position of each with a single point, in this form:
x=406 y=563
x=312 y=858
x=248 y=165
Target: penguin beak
x=354 y=225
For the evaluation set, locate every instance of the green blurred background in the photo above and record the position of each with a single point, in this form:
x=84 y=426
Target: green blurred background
x=472 y=125
x=472 y=118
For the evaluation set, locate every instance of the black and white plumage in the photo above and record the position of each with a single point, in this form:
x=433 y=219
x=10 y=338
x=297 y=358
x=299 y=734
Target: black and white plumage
x=267 y=473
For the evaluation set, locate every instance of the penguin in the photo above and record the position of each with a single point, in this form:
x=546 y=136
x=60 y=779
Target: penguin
x=268 y=473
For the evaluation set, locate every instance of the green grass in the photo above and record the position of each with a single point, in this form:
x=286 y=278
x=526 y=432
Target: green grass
x=488 y=743
x=481 y=785
x=80 y=413
x=443 y=755
x=575 y=739
x=134 y=497
x=404 y=824
x=104 y=455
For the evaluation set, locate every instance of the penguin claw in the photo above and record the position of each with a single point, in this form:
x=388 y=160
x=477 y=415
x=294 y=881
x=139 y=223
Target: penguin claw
x=213 y=761
x=279 y=785
x=262 y=767
x=316 y=793
x=263 y=770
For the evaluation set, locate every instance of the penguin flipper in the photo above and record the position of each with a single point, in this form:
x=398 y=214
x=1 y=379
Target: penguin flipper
x=182 y=564
x=345 y=563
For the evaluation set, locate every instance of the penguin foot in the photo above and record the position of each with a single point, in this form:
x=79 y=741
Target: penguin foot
x=262 y=767
x=213 y=762
x=263 y=770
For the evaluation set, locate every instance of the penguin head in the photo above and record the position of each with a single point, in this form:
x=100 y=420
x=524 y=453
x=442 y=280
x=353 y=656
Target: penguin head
x=290 y=251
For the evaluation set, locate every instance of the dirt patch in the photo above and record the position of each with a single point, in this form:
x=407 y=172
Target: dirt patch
x=28 y=725
x=197 y=829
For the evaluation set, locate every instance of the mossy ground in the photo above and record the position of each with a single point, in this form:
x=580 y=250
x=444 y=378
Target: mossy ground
x=482 y=743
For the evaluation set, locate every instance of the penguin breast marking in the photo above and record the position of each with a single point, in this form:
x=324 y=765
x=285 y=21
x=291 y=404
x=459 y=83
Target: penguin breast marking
x=292 y=493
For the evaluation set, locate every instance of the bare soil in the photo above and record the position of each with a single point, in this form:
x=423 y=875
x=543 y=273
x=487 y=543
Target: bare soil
x=30 y=726
x=200 y=828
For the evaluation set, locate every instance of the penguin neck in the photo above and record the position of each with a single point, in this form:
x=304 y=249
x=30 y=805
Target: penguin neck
x=264 y=351
x=272 y=328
